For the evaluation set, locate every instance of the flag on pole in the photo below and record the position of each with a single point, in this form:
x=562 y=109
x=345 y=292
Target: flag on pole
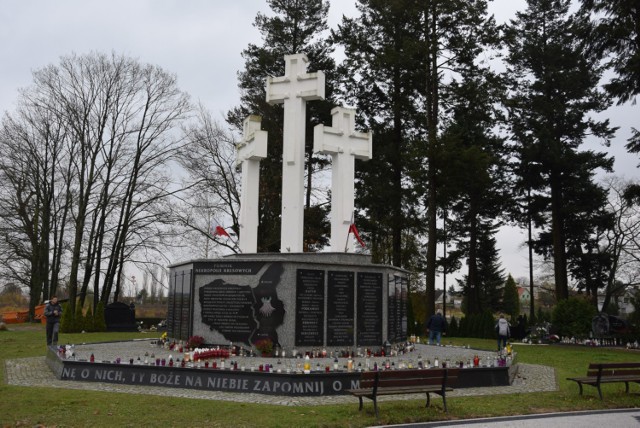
x=219 y=231
x=354 y=230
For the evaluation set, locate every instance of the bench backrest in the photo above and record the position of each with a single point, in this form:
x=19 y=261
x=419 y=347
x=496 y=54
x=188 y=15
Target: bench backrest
x=395 y=378
x=613 y=369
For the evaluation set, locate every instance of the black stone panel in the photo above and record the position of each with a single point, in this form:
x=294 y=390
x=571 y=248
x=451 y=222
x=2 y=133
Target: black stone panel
x=309 y=307
x=340 y=308
x=369 y=332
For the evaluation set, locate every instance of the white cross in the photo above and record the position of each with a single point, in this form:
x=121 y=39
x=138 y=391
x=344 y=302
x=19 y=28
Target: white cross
x=250 y=151
x=294 y=89
x=344 y=145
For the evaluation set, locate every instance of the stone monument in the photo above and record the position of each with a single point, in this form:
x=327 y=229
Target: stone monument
x=298 y=301
x=251 y=150
x=344 y=145
x=293 y=90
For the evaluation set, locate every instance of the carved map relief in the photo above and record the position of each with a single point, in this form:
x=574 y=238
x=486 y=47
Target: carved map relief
x=243 y=313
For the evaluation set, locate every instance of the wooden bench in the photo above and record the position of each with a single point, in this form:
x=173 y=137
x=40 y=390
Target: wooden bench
x=392 y=382
x=597 y=374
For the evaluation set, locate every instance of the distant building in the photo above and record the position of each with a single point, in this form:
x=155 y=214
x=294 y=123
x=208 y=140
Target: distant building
x=438 y=299
x=623 y=301
x=524 y=296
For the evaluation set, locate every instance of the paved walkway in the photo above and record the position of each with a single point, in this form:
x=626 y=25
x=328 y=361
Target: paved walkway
x=34 y=372
x=619 y=418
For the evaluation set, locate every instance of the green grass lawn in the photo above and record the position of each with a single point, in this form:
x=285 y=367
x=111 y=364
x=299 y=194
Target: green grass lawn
x=22 y=406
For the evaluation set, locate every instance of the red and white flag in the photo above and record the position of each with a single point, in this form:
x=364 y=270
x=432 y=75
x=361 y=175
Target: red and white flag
x=219 y=231
x=354 y=230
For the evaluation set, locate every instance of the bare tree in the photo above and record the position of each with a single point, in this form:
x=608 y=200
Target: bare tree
x=85 y=170
x=622 y=241
x=213 y=195
x=33 y=205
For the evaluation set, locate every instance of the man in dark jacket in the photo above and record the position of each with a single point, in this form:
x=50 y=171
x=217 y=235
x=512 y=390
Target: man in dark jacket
x=436 y=326
x=53 y=312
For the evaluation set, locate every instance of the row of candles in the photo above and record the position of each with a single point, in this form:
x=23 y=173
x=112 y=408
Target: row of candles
x=600 y=342
x=232 y=350
x=306 y=366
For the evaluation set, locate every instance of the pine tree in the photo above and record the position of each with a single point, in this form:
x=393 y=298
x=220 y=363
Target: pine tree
x=456 y=33
x=296 y=27
x=490 y=273
x=379 y=76
x=615 y=35
x=510 y=298
x=555 y=87
x=396 y=55
x=475 y=182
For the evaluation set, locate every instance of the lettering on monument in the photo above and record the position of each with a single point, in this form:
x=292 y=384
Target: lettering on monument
x=404 y=296
x=228 y=308
x=340 y=301
x=391 y=309
x=212 y=380
x=309 y=307
x=242 y=313
x=398 y=299
x=369 y=294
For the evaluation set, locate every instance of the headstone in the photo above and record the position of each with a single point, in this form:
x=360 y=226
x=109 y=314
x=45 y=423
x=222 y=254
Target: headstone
x=251 y=150
x=344 y=145
x=293 y=90
x=119 y=316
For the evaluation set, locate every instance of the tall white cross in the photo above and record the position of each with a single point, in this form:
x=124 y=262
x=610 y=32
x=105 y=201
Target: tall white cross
x=344 y=145
x=250 y=151
x=294 y=89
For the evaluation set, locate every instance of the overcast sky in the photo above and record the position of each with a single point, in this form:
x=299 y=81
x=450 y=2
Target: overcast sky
x=201 y=42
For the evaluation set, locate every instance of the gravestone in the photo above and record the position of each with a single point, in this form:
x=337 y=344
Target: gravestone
x=119 y=316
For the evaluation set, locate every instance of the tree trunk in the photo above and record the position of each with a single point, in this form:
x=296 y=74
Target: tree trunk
x=559 y=252
x=431 y=95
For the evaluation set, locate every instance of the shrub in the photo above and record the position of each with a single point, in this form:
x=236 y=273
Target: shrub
x=78 y=319
x=88 y=319
x=488 y=325
x=573 y=317
x=66 y=320
x=99 y=324
x=453 y=329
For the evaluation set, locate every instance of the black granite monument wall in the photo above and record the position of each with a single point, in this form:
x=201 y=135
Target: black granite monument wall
x=297 y=301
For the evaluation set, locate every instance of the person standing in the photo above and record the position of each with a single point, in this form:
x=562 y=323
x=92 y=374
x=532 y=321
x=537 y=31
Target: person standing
x=503 y=329
x=436 y=326
x=53 y=312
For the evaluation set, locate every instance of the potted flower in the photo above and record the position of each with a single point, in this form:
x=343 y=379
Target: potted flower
x=265 y=346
